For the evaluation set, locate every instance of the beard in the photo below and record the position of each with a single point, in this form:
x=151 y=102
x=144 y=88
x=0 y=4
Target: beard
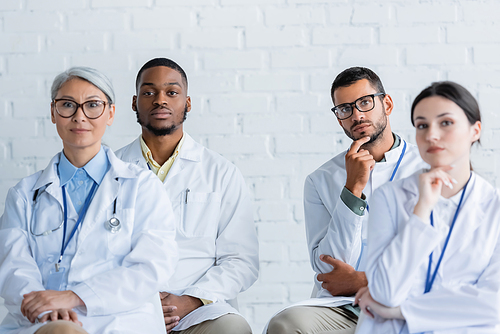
x=160 y=132
x=379 y=129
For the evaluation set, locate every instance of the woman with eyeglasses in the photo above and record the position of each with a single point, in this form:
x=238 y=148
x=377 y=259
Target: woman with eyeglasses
x=433 y=238
x=82 y=248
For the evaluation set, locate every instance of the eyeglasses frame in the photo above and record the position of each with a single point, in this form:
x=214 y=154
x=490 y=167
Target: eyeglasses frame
x=78 y=105
x=354 y=103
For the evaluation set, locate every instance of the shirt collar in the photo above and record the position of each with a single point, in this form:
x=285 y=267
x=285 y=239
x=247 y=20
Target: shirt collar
x=96 y=168
x=397 y=141
x=146 y=152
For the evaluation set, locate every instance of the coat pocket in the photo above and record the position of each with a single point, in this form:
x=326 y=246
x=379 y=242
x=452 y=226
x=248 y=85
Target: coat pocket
x=199 y=213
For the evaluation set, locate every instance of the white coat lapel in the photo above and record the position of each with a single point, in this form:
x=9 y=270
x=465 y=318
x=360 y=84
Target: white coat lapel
x=190 y=152
x=410 y=185
x=471 y=214
x=54 y=190
x=133 y=153
x=106 y=193
x=177 y=167
x=103 y=199
x=49 y=180
x=382 y=172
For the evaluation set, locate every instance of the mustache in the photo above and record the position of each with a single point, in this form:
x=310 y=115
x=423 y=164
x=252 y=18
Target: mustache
x=160 y=107
x=356 y=123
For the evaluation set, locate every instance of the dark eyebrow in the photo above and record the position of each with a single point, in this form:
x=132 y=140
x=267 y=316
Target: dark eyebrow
x=440 y=115
x=175 y=83
x=356 y=99
x=443 y=114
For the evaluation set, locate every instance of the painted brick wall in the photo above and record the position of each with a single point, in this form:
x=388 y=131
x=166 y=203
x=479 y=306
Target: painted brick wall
x=259 y=73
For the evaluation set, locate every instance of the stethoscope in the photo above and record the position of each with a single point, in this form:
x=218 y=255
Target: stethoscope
x=113 y=224
x=33 y=210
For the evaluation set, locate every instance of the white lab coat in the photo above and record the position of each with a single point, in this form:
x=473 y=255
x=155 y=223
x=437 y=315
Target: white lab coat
x=332 y=228
x=117 y=275
x=465 y=297
x=218 y=247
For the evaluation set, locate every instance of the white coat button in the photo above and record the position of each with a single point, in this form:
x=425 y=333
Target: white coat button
x=361 y=208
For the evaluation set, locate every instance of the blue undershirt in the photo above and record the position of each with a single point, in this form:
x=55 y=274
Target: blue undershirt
x=78 y=181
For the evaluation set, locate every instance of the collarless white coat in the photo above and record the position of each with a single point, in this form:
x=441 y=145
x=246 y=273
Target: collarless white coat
x=465 y=296
x=116 y=275
x=218 y=247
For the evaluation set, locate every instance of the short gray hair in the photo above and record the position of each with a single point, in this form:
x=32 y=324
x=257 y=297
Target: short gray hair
x=88 y=74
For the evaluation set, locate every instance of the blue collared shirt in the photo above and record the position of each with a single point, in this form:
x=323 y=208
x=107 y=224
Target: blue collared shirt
x=79 y=181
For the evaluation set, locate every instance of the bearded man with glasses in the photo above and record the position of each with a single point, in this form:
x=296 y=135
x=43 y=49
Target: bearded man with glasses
x=336 y=204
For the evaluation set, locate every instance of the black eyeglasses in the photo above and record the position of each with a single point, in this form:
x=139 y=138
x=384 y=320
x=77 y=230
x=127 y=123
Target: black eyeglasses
x=91 y=109
x=363 y=104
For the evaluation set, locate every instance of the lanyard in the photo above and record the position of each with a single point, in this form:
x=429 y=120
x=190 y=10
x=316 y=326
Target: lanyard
x=83 y=212
x=399 y=162
x=430 y=280
x=395 y=168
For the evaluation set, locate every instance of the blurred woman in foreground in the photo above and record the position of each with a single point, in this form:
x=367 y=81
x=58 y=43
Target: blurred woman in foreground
x=433 y=238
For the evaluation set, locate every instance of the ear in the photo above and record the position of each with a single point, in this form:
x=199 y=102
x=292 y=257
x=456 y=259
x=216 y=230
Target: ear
x=111 y=115
x=53 y=113
x=188 y=103
x=388 y=104
x=476 y=131
x=134 y=103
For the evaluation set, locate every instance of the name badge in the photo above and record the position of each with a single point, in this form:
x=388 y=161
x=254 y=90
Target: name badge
x=56 y=280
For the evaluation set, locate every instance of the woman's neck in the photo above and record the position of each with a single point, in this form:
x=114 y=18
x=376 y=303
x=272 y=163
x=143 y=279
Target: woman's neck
x=79 y=157
x=461 y=174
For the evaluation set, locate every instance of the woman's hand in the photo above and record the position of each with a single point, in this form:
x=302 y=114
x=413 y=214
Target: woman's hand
x=430 y=185
x=61 y=314
x=370 y=307
x=37 y=302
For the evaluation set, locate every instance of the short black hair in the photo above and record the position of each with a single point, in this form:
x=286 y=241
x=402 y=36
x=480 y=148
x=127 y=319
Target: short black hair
x=454 y=92
x=353 y=74
x=161 y=62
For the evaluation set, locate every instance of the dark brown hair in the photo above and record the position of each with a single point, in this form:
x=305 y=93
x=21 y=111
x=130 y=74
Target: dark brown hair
x=453 y=92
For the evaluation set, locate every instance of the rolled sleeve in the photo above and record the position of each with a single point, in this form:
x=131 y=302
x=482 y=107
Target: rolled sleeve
x=355 y=204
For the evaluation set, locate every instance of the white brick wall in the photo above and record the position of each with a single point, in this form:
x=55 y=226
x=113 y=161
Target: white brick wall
x=260 y=73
